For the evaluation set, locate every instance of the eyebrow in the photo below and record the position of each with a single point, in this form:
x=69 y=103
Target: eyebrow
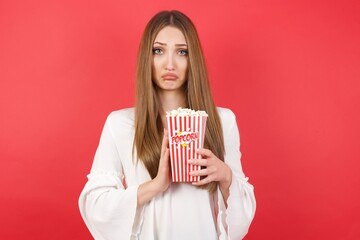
x=179 y=44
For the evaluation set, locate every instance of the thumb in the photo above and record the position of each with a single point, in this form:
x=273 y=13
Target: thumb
x=167 y=154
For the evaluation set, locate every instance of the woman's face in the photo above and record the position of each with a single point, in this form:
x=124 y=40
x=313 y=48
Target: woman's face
x=170 y=59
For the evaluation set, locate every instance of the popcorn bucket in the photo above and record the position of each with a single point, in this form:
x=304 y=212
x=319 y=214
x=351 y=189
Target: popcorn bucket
x=186 y=134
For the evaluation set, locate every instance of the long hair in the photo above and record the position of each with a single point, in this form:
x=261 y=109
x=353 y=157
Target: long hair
x=148 y=125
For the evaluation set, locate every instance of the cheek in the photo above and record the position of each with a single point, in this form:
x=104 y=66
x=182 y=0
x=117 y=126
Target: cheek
x=156 y=65
x=154 y=72
x=183 y=65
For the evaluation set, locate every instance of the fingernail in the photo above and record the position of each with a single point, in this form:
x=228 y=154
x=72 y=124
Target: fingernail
x=190 y=161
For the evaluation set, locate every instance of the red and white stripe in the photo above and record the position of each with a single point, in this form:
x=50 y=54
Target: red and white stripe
x=179 y=154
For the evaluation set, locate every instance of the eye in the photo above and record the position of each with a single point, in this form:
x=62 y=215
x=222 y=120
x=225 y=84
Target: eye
x=183 y=52
x=157 y=51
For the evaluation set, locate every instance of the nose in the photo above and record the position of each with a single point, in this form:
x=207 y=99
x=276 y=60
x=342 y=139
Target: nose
x=170 y=62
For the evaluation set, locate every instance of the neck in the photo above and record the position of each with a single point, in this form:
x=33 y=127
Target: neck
x=170 y=100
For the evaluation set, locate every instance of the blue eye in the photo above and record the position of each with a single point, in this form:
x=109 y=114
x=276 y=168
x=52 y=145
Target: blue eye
x=183 y=52
x=157 y=51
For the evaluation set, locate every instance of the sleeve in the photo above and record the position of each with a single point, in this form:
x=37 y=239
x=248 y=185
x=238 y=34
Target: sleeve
x=234 y=221
x=106 y=205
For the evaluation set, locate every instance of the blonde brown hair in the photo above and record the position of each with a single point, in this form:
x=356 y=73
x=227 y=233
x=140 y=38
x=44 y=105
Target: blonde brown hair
x=148 y=125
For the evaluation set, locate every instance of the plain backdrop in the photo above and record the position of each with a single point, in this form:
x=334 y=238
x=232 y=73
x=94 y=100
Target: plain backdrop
x=289 y=70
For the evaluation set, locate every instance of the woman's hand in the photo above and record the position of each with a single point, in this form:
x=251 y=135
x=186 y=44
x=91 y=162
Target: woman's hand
x=163 y=177
x=215 y=170
x=161 y=182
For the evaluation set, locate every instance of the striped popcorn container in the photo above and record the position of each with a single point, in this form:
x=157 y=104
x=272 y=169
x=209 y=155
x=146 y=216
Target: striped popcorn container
x=186 y=134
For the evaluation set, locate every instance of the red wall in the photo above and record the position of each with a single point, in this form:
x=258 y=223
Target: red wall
x=288 y=69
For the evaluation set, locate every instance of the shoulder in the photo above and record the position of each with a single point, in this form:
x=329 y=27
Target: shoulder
x=226 y=115
x=122 y=116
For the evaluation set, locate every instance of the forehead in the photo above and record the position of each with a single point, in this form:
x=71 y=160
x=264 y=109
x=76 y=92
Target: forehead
x=170 y=35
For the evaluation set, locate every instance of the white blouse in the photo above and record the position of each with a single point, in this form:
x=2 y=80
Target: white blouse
x=108 y=202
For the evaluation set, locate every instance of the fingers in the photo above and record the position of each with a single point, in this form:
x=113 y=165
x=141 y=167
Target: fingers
x=211 y=167
x=167 y=161
x=165 y=142
x=204 y=152
x=201 y=172
x=200 y=162
x=166 y=155
x=203 y=181
x=164 y=164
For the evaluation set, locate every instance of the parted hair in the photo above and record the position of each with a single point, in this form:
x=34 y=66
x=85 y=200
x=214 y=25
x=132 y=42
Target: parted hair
x=148 y=124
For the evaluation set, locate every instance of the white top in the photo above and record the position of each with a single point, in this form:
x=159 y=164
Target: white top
x=108 y=202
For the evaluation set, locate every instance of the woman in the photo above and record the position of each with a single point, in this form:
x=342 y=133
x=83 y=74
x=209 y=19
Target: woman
x=129 y=194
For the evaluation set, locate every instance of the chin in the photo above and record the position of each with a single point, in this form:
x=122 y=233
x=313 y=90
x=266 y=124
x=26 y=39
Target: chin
x=170 y=87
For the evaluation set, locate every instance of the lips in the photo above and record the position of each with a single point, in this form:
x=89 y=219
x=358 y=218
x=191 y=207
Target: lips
x=169 y=76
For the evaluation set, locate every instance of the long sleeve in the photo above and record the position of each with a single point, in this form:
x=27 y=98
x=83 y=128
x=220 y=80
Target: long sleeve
x=234 y=221
x=107 y=206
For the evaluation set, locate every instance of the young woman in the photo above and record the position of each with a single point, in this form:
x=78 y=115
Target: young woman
x=129 y=193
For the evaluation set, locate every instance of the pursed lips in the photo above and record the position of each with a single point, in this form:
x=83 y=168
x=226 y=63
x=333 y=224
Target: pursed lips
x=169 y=76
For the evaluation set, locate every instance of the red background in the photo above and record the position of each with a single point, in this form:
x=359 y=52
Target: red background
x=288 y=69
